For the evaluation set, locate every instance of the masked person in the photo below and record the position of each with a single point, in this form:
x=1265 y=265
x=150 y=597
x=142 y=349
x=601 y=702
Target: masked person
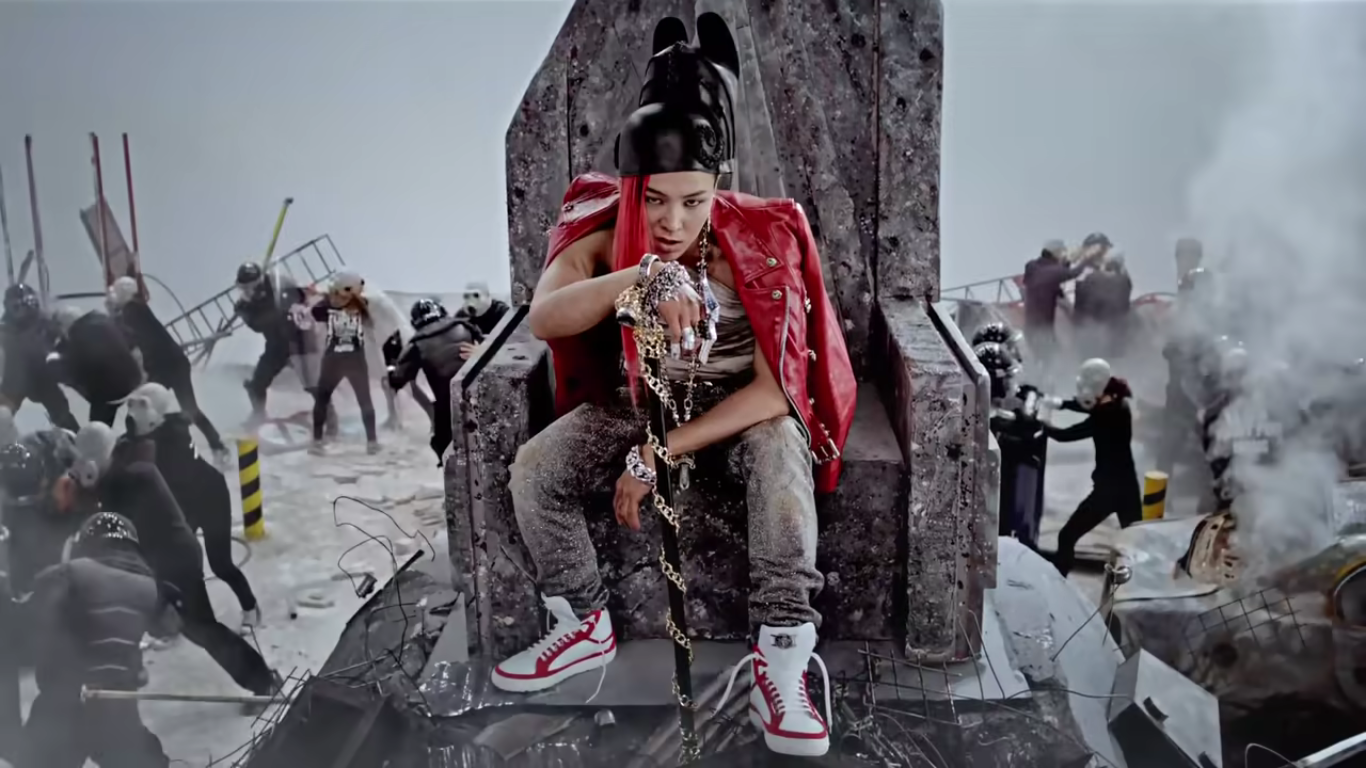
x=1103 y=301
x=436 y=351
x=158 y=432
x=27 y=336
x=1044 y=279
x=1015 y=420
x=392 y=351
x=94 y=358
x=164 y=361
x=91 y=612
x=345 y=314
x=773 y=420
x=169 y=544
x=37 y=529
x=481 y=309
x=265 y=306
x=1109 y=425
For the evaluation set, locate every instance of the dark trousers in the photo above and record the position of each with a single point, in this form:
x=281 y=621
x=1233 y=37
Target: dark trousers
x=179 y=381
x=1090 y=513
x=352 y=367
x=58 y=408
x=441 y=417
x=273 y=360
x=62 y=731
x=104 y=412
x=212 y=515
x=11 y=717
x=233 y=653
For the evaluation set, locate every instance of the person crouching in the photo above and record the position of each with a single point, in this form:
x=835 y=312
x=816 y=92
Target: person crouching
x=346 y=315
x=91 y=611
x=159 y=432
x=436 y=350
x=138 y=489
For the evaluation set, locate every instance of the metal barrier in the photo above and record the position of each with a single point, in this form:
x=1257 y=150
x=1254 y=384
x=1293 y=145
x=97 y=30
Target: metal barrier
x=201 y=327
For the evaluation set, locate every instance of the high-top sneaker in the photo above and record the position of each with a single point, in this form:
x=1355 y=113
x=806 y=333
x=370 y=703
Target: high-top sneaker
x=572 y=646
x=779 y=704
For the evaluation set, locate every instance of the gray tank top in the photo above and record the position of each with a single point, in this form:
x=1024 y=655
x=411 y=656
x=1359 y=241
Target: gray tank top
x=733 y=352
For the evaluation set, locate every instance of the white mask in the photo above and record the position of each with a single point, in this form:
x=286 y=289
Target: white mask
x=1092 y=378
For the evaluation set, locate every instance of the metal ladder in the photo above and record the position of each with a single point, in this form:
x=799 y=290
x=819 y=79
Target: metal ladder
x=201 y=327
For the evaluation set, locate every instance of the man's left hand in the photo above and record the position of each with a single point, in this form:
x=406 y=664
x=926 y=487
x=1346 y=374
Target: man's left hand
x=629 y=495
x=467 y=350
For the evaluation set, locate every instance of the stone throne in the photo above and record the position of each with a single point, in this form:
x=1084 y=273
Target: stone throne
x=840 y=110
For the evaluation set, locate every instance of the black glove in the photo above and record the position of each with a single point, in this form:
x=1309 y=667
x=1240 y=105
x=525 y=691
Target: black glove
x=395 y=382
x=440 y=458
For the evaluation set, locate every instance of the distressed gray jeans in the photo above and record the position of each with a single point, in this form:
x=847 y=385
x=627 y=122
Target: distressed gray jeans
x=584 y=452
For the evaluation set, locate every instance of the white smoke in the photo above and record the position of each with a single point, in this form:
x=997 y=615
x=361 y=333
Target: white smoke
x=1281 y=206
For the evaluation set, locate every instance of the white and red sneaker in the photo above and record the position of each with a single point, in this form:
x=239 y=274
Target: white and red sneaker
x=571 y=647
x=779 y=705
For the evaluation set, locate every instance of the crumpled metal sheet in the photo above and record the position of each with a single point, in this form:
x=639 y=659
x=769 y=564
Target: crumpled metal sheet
x=456 y=689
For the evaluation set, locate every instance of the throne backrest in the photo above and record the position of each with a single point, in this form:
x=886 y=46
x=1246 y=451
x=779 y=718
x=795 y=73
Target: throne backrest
x=860 y=154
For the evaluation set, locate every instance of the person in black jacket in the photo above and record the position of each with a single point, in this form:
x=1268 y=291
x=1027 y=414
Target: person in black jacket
x=265 y=307
x=26 y=336
x=94 y=358
x=435 y=350
x=170 y=545
x=162 y=357
x=159 y=433
x=392 y=351
x=345 y=314
x=28 y=471
x=91 y=613
x=1114 y=482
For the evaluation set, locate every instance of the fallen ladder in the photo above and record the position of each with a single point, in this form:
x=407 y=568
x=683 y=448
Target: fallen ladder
x=201 y=327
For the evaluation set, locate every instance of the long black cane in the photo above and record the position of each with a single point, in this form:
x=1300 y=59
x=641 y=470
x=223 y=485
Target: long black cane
x=659 y=427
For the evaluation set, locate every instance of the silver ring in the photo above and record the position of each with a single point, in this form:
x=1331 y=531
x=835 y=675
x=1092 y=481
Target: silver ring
x=689 y=339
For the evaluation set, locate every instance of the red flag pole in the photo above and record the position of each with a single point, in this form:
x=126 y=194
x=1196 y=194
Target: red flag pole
x=133 y=219
x=99 y=209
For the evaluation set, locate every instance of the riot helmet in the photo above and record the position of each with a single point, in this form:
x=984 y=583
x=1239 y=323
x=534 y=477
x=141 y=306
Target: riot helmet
x=22 y=304
x=104 y=530
x=426 y=311
x=23 y=475
x=998 y=332
x=1001 y=367
x=251 y=280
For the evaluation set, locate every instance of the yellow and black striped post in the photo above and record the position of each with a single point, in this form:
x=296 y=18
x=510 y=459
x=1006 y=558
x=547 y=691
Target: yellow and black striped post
x=249 y=476
x=1154 y=495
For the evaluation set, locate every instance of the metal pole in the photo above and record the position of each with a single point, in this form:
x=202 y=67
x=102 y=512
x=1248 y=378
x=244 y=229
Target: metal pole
x=4 y=227
x=133 y=220
x=94 y=693
x=44 y=289
x=99 y=209
x=1336 y=754
x=659 y=425
x=275 y=236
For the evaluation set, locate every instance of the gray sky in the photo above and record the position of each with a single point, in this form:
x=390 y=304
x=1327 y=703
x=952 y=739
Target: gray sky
x=385 y=122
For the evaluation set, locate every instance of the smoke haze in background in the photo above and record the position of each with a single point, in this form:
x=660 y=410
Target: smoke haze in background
x=1281 y=205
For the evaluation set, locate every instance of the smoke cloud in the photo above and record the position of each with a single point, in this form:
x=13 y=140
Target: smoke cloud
x=1281 y=207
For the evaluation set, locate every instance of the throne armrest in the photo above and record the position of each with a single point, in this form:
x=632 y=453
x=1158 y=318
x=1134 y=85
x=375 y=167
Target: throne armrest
x=935 y=391
x=500 y=398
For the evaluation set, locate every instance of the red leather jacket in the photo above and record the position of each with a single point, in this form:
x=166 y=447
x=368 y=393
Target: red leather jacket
x=773 y=255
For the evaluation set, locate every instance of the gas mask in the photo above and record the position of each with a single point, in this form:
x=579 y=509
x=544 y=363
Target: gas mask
x=346 y=288
x=477 y=299
x=147 y=408
x=94 y=448
x=120 y=293
x=1092 y=378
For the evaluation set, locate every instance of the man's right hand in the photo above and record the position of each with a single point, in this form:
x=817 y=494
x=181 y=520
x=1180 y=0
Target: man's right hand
x=681 y=314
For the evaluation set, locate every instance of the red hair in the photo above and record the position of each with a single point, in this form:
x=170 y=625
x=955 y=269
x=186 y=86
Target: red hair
x=1118 y=388
x=630 y=242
